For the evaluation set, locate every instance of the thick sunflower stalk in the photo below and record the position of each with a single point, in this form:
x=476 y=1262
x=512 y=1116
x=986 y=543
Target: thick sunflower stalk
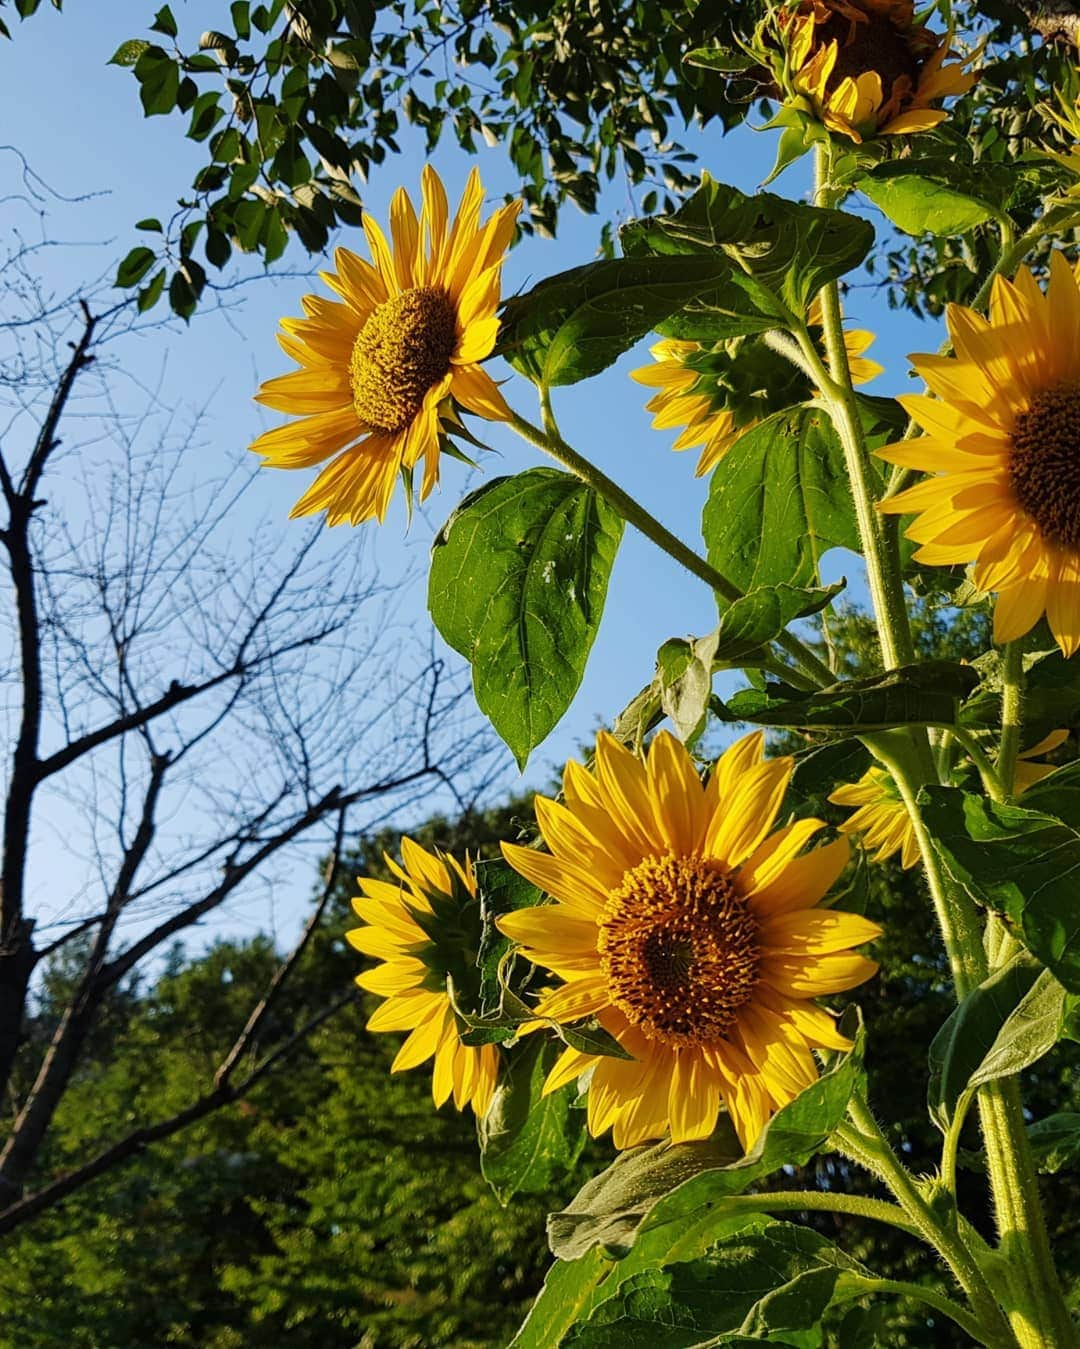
x=679 y=947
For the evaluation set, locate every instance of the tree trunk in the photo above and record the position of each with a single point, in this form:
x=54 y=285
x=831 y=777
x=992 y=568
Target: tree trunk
x=17 y=960
x=53 y=1077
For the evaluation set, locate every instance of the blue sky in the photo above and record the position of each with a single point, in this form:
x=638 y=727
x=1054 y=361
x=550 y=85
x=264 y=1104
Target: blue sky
x=79 y=125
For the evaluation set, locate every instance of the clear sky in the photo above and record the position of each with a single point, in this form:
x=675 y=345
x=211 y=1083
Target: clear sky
x=79 y=124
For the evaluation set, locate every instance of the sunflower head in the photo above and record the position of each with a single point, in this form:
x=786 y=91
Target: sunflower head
x=689 y=927
x=1003 y=446
x=716 y=393
x=881 y=820
x=382 y=368
x=866 y=68
x=424 y=930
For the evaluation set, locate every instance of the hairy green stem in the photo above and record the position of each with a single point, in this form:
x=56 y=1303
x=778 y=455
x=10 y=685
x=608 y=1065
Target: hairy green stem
x=823 y=1201
x=1039 y=1317
x=552 y=443
x=1012 y=718
x=871 y=1149
x=838 y=393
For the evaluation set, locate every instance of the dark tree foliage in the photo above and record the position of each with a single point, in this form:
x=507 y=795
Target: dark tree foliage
x=296 y=103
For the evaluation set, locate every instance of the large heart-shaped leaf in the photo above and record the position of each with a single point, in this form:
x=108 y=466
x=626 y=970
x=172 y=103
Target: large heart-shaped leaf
x=780 y=498
x=519 y=575
x=780 y=255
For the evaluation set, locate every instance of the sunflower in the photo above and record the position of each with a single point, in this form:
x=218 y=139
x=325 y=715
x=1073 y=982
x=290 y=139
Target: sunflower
x=867 y=68
x=402 y=925
x=883 y=820
x=695 y=389
x=1003 y=444
x=378 y=366
x=690 y=931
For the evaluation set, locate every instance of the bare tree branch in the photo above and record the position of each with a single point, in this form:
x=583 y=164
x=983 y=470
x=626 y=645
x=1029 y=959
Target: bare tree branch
x=250 y=1034
x=193 y=704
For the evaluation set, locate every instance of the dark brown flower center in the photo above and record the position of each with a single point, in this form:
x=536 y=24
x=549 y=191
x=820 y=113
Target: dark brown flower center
x=401 y=351
x=1044 y=463
x=871 y=43
x=678 y=945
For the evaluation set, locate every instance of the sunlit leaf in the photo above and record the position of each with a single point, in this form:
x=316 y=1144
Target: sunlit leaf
x=1006 y=1024
x=519 y=576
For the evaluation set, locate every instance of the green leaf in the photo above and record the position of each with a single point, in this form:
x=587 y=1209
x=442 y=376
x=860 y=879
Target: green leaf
x=159 y=81
x=519 y=575
x=574 y=325
x=913 y=695
x=1058 y=794
x=182 y=297
x=1055 y=1141
x=529 y=1141
x=771 y=1279
x=502 y=890
x=241 y=18
x=648 y=1187
x=727 y=60
x=1021 y=862
x=164 y=22
x=685 y=666
x=128 y=53
x=150 y=294
x=780 y=254
x=135 y=266
x=761 y=615
x=919 y=204
x=779 y=499
x=150 y=224
x=1006 y=1024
